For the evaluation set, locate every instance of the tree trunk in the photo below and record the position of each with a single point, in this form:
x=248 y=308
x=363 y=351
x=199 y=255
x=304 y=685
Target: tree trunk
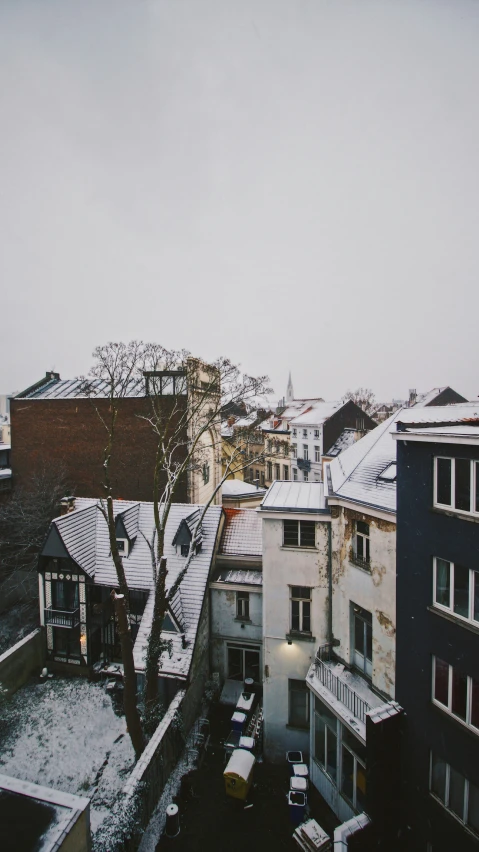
x=132 y=715
x=154 y=643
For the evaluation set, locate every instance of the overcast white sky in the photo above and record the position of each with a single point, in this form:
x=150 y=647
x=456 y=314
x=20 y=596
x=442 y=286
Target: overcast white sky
x=291 y=183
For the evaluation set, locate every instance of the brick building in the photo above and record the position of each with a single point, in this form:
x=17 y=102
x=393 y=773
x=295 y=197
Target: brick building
x=55 y=423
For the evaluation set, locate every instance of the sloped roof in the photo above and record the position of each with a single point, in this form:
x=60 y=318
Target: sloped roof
x=240 y=576
x=85 y=534
x=317 y=413
x=294 y=496
x=130 y=518
x=235 y=487
x=75 y=388
x=242 y=534
x=356 y=473
x=346 y=439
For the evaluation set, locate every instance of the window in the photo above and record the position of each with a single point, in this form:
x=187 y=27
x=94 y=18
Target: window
x=455 y=692
x=295 y=474
x=456 y=484
x=305 y=452
x=185 y=549
x=298 y=704
x=262 y=477
x=316 y=433
x=300 y=609
x=305 y=433
x=206 y=473
x=360 y=552
x=456 y=589
x=305 y=476
x=362 y=639
x=294 y=451
x=65 y=595
x=122 y=545
x=243 y=662
x=455 y=792
x=270 y=471
x=277 y=469
x=295 y=433
x=242 y=605
x=257 y=475
x=66 y=643
x=340 y=754
x=299 y=534
x=285 y=471
x=270 y=446
x=317 y=454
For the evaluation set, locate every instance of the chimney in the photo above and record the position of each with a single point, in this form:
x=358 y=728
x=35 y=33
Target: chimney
x=50 y=375
x=67 y=505
x=412 y=397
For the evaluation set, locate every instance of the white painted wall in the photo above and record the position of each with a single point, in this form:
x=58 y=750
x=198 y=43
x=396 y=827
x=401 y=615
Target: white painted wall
x=375 y=592
x=316 y=472
x=225 y=627
x=284 y=567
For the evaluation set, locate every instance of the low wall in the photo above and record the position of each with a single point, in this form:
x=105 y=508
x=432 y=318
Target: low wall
x=123 y=830
x=18 y=663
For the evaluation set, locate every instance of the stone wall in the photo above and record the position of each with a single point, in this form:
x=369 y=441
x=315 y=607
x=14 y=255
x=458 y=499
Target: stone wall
x=18 y=663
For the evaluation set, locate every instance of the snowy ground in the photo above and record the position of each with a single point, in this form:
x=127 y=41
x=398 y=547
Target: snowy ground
x=64 y=734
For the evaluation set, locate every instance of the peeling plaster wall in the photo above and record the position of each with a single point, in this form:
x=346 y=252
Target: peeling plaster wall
x=225 y=627
x=375 y=591
x=284 y=567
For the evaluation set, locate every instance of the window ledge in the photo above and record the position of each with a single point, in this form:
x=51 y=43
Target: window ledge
x=455 y=513
x=243 y=620
x=300 y=637
x=461 y=622
x=289 y=547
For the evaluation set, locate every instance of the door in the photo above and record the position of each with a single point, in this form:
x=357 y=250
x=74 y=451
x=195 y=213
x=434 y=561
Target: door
x=363 y=640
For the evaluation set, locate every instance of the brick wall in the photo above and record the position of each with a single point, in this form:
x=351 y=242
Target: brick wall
x=70 y=432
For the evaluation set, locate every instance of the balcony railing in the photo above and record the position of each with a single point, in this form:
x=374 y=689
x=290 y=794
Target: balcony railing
x=62 y=617
x=304 y=464
x=347 y=696
x=362 y=561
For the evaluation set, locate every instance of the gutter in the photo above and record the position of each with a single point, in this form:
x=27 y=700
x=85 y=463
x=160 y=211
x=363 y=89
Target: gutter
x=330 y=586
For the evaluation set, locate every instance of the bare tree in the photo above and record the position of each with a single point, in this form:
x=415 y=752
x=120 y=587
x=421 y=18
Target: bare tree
x=25 y=518
x=188 y=446
x=363 y=397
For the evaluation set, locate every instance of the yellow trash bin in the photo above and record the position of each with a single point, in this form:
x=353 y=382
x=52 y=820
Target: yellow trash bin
x=238 y=774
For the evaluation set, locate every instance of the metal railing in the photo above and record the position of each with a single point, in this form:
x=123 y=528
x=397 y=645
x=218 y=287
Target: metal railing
x=362 y=561
x=304 y=464
x=62 y=617
x=347 y=696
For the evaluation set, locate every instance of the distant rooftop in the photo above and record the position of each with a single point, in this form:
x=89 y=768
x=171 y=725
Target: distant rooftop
x=241 y=535
x=237 y=488
x=294 y=496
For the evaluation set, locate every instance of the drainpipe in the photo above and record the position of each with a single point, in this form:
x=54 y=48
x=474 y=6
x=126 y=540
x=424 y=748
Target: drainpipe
x=330 y=586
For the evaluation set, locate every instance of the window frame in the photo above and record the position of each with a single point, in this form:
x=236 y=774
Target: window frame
x=304 y=603
x=447 y=788
x=303 y=690
x=286 y=472
x=473 y=486
x=316 y=433
x=317 y=454
x=295 y=474
x=294 y=451
x=467 y=722
x=305 y=433
x=126 y=547
x=242 y=603
x=468 y=619
x=341 y=742
x=301 y=533
x=305 y=452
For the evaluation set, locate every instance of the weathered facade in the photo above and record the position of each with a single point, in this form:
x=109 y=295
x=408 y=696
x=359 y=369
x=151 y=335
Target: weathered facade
x=296 y=529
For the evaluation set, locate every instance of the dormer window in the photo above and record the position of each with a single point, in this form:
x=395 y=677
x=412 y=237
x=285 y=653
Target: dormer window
x=185 y=549
x=184 y=534
x=123 y=546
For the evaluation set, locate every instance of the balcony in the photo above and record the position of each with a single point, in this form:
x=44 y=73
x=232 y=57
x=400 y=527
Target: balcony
x=304 y=464
x=349 y=688
x=62 y=617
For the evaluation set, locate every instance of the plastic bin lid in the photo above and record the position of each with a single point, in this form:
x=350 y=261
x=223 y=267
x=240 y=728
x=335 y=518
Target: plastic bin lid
x=172 y=810
x=240 y=763
x=294 y=756
x=297 y=783
x=246 y=742
x=301 y=769
x=295 y=798
x=238 y=717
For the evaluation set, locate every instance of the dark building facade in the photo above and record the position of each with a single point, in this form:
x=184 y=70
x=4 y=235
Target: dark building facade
x=54 y=423
x=437 y=674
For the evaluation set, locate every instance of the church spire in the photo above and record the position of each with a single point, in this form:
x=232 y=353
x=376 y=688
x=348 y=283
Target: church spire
x=290 y=391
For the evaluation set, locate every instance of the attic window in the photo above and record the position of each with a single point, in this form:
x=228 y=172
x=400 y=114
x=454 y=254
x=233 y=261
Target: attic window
x=389 y=473
x=122 y=545
x=185 y=549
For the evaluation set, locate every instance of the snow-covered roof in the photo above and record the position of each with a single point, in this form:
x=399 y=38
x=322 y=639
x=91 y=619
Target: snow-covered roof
x=317 y=413
x=84 y=533
x=240 y=576
x=242 y=535
x=360 y=473
x=74 y=388
x=294 y=497
x=346 y=439
x=5 y=473
x=235 y=488
x=297 y=406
